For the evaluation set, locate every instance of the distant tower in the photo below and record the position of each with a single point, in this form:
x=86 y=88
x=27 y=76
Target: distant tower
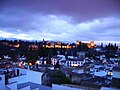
x=115 y=45
x=102 y=45
x=43 y=40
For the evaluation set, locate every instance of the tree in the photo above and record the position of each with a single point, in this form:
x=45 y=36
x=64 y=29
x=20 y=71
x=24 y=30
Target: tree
x=57 y=65
x=54 y=77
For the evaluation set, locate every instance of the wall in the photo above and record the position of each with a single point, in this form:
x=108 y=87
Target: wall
x=31 y=76
x=116 y=74
x=34 y=76
x=52 y=68
x=21 y=71
x=19 y=79
x=78 y=71
x=60 y=87
x=2 y=82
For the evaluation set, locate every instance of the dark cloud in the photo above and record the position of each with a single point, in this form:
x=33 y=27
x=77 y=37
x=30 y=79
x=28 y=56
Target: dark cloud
x=65 y=20
x=81 y=9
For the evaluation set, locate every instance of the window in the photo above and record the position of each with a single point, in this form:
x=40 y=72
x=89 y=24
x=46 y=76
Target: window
x=78 y=62
x=67 y=63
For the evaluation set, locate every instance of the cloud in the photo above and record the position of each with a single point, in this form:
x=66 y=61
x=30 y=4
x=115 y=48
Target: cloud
x=60 y=28
x=67 y=20
x=80 y=9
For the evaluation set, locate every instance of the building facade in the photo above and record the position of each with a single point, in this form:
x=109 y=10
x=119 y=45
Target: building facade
x=74 y=62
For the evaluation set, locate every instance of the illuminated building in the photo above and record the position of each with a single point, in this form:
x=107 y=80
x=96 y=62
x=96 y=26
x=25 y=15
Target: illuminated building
x=33 y=47
x=41 y=61
x=74 y=62
x=57 y=45
x=55 y=59
x=30 y=64
x=91 y=44
x=78 y=42
x=17 y=45
x=12 y=45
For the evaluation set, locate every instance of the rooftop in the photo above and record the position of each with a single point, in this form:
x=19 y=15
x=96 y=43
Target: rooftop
x=33 y=86
x=108 y=88
x=74 y=59
x=116 y=69
x=100 y=73
x=57 y=57
x=80 y=87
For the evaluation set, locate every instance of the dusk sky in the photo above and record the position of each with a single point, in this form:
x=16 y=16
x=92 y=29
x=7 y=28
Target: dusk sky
x=61 y=20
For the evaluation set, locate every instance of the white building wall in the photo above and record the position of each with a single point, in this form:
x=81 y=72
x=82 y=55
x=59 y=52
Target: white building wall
x=19 y=79
x=60 y=87
x=116 y=74
x=78 y=63
x=78 y=71
x=53 y=61
x=2 y=82
x=66 y=63
x=21 y=71
x=108 y=88
x=52 y=68
x=31 y=76
x=34 y=76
